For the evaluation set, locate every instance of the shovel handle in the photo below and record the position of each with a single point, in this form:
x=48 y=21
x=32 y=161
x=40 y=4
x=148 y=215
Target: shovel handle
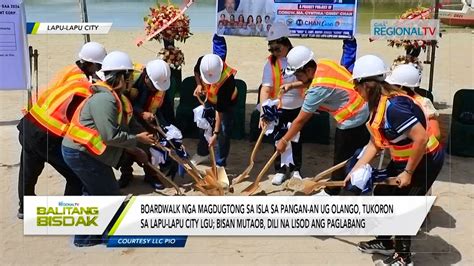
x=257 y=144
x=266 y=167
x=329 y=171
x=164 y=178
x=213 y=161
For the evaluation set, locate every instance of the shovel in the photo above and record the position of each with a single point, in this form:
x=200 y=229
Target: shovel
x=207 y=185
x=164 y=179
x=250 y=190
x=245 y=174
x=307 y=186
x=392 y=181
x=218 y=173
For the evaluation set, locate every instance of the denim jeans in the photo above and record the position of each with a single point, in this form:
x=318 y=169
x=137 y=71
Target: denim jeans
x=223 y=141
x=98 y=180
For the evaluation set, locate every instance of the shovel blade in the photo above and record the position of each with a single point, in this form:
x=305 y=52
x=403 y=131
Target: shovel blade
x=243 y=175
x=222 y=177
x=295 y=184
x=250 y=190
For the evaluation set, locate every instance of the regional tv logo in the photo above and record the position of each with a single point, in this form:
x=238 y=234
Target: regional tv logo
x=67 y=214
x=404 y=29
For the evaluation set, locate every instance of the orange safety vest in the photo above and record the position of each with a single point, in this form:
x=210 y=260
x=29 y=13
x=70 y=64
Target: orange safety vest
x=277 y=79
x=52 y=104
x=91 y=138
x=332 y=75
x=398 y=153
x=155 y=101
x=213 y=89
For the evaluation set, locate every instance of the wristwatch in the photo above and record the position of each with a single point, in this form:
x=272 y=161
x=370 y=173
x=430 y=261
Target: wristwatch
x=408 y=171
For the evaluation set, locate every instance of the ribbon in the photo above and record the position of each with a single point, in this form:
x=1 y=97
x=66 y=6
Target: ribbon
x=271 y=114
x=205 y=118
x=363 y=178
x=158 y=156
x=287 y=155
x=139 y=42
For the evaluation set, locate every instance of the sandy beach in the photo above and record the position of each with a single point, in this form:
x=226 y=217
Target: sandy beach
x=446 y=237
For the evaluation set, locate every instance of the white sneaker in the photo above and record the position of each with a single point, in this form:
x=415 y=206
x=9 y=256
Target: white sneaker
x=278 y=179
x=322 y=193
x=198 y=159
x=296 y=175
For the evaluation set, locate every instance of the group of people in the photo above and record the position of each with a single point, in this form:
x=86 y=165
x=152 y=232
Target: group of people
x=242 y=26
x=101 y=113
x=248 y=18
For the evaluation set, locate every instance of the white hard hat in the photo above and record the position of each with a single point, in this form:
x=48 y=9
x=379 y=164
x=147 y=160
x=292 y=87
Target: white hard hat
x=117 y=60
x=277 y=31
x=92 y=52
x=368 y=66
x=211 y=68
x=297 y=58
x=405 y=75
x=159 y=73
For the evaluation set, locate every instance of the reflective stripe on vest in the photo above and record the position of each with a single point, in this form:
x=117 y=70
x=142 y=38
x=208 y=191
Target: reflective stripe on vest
x=332 y=75
x=90 y=138
x=399 y=153
x=49 y=111
x=155 y=101
x=213 y=89
x=277 y=77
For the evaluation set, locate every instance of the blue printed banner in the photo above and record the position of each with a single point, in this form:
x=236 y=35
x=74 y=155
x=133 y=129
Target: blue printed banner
x=147 y=241
x=330 y=19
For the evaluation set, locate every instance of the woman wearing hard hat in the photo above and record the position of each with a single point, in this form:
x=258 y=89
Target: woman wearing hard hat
x=331 y=91
x=406 y=74
x=99 y=133
x=216 y=79
x=41 y=130
x=397 y=122
x=147 y=96
x=277 y=84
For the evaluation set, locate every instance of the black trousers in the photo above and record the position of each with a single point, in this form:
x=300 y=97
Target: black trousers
x=40 y=147
x=346 y=143
x=423 y=178
x=288 y=115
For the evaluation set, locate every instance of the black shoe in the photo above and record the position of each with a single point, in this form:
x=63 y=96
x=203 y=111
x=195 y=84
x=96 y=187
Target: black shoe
x=19 y=215
x=125 y=180
x=399 y=260
x=384 y=247
x=154 y=182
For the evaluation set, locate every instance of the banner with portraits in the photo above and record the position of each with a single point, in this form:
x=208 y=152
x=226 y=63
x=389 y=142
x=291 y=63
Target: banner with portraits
x=329 y=19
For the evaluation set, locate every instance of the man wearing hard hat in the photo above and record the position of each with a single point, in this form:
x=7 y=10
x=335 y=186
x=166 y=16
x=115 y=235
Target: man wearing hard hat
x=218 y=83
x=42 y=128
x=147 y=96
x=99 y=133
x=331 y=90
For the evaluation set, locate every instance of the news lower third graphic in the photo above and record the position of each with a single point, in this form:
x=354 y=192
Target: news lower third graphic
x=67 y=28
x=144 y=221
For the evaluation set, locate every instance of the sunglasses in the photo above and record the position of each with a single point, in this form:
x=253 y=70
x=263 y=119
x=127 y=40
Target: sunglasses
x=276 y=49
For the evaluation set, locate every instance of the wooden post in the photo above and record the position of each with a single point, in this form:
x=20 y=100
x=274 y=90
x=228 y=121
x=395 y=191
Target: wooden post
x=84 y=18
x=433 y=50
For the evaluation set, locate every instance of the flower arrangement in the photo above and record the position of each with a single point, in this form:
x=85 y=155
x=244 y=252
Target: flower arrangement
x=171 y=18
x=173 y=56
x=413 y=13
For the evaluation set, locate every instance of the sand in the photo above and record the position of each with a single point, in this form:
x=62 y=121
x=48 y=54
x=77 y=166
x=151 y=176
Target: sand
x=446 y=238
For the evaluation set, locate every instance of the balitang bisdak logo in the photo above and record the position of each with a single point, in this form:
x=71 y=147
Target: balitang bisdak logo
x=67 y=214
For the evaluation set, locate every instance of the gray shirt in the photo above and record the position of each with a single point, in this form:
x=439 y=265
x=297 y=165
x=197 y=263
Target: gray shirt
x=333 y=99
x=100 y=113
